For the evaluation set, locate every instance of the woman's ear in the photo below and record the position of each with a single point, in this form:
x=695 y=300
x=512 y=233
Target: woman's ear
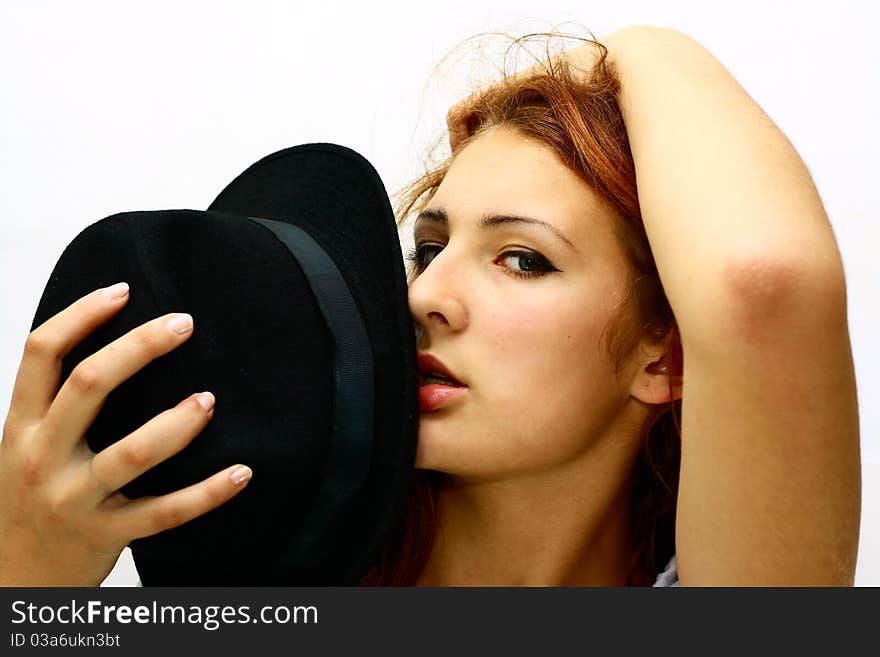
x=657 y=375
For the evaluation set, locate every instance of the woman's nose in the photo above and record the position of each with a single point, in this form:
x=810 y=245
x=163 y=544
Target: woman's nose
x=436 y=301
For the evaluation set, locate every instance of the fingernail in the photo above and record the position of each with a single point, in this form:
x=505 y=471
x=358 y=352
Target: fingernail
x=206 y=400
x=115 y=292
x=180 y=324
x=241 y=475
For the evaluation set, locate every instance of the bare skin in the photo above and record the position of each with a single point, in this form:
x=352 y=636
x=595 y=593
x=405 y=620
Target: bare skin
x=770 y=482
x=540 y=447
x=63 y=521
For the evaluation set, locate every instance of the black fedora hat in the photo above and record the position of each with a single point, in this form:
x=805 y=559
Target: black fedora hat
x=295 y=279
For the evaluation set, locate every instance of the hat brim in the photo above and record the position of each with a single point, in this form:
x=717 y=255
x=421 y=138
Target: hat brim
x=338 y=197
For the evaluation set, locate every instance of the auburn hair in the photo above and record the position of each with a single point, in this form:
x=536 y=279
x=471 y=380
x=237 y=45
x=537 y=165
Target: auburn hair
x=578 y=117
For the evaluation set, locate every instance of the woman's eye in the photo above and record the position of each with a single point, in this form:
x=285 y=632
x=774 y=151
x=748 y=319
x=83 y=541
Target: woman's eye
x=417 y=255
x=526 y=264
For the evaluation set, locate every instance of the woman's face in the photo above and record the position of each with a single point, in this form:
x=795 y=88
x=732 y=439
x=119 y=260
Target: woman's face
x=521 y=330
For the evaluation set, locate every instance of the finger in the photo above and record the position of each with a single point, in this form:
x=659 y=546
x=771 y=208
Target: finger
x=160 y=438
x=83 y=394
x=146 y=516
x=37 y=380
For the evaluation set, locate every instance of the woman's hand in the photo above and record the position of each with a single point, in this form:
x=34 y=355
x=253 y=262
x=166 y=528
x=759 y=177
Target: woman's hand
x=63 y=520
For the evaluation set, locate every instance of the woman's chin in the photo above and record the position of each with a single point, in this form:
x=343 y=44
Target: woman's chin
x=429 y=455
x=423 y=460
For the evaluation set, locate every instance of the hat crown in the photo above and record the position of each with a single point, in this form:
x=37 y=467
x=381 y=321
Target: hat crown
x=262 y=344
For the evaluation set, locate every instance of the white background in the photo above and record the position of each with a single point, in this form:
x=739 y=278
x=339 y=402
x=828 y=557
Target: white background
x=111 y=106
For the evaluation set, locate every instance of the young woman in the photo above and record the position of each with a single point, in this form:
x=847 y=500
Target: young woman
x=645 y=370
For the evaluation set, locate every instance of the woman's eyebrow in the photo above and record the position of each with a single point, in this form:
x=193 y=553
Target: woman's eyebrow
x=439 y=216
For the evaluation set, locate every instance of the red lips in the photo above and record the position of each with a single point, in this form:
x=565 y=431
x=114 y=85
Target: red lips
x=429 y=363
x=434 y=395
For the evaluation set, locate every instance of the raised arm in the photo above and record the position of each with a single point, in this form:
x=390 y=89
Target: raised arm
x=723 y=193
x=770 y=478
